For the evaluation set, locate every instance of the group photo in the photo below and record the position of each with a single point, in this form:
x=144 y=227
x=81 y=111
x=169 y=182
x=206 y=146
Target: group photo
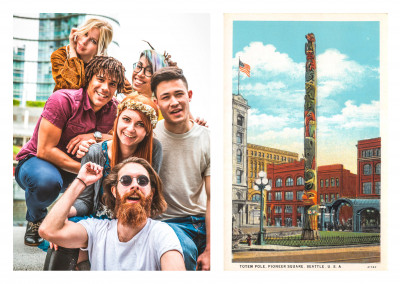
x=111 y=162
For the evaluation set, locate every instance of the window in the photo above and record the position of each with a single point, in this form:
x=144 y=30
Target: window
x=378 y=168
x=337 y=196
x=321 y=197
x=288 y=209
x=321 y=183
x=278 y=209
x=378 y=152
x=289 y=195
x=378 y=187
x=269 y=196
x=256 y=197
x=332 y=182
x=367 y=153
x=239 y=155
x=238 y=176
x=326 y=182
x=300 y=181
x=326 y=197
x=239 y=137
x=332 y=197
x=337 y=182
x=278 y=182
x=299 y=195
x=367 y=188
x=300 y=209
x=278 y=195
x=289 y=181
x=240 y=120
x=367 y=169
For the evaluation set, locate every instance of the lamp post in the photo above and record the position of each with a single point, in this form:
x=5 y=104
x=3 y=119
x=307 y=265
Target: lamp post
x=259 y=184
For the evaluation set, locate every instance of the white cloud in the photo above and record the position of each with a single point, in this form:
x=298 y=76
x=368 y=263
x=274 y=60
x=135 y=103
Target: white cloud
x=262 y=122
x=351 y=116
x=267 y=61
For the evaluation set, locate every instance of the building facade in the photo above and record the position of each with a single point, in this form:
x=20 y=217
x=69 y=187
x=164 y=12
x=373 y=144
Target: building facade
x=35 y=37
x=239 y=159
x=284 y=205
x=369 y=168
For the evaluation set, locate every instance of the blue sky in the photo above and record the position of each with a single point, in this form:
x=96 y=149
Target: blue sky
x=348 y=102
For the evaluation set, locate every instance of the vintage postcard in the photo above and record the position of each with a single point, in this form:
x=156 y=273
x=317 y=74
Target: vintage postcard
x=305 y=97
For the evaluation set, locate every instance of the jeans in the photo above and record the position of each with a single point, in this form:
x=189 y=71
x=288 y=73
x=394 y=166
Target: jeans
x=191 y=232
x=42 y=182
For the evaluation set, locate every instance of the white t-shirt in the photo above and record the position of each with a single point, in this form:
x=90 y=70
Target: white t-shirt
x=142 y=252
x=186 y=161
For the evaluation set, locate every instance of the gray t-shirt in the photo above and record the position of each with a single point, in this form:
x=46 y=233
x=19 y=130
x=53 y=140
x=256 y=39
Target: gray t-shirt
x=142 y=252
x=186 y=161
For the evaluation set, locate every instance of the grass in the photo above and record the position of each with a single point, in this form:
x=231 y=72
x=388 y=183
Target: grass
x=327 y=238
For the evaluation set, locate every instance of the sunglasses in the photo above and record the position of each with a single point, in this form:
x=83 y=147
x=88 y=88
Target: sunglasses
x=141 y=180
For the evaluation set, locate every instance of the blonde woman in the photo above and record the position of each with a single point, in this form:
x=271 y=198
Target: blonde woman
x=68 y=62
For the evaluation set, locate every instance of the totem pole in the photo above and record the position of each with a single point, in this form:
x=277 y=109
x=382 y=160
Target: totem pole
x=310 y=224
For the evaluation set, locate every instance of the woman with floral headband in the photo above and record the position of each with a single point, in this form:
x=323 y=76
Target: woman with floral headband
x=133 y=137
x=68 y=62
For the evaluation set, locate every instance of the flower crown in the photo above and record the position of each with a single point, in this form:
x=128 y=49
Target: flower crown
x=146 y=109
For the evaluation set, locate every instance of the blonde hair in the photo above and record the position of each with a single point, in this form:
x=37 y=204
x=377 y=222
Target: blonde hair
x=106 y=33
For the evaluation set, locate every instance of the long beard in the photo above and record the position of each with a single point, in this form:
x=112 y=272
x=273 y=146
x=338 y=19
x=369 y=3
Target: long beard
x=133 y=214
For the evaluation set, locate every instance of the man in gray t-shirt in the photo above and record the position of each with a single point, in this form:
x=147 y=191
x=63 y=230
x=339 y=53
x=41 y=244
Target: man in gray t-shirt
x=185 y=169
x=132 y=241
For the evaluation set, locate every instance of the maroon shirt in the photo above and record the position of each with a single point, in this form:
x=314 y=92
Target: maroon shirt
x=70 y=110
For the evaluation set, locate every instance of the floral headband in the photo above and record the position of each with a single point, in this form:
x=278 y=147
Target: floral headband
x=146 y=109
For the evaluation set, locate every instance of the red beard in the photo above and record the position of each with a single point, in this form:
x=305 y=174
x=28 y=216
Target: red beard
x=133 y=214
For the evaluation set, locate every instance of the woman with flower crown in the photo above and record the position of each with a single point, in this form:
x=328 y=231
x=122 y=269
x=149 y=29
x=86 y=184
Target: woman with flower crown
x=133 y=136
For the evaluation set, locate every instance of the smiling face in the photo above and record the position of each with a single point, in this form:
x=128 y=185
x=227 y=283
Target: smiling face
x=130 y=128
x=87 y=44
x=140 y=82
x=101 y=90
x=173 y=100
x=133 y=202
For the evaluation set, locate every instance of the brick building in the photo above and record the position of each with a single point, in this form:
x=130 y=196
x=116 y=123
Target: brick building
x=369 y=168
x=284 y=201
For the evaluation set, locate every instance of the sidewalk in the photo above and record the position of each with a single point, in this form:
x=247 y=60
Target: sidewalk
x=25 y=257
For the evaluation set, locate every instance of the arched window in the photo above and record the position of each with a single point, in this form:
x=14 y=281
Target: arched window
x=367 y=169
x=378 y=168
x=256 y=197
x=278 y=182
x=289 y=181
x=239 y=155
x=238 y=176
x=300 y=181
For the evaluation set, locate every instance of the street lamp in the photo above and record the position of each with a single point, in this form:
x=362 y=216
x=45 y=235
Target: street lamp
x=259 y=184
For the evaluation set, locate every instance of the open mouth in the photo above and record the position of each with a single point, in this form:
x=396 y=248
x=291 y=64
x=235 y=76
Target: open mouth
x=176 y=111
x=133 y=198
x=127 y=135
x=102 y=96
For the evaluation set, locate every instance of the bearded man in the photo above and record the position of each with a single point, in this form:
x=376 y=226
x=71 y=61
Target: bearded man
x=132 y=241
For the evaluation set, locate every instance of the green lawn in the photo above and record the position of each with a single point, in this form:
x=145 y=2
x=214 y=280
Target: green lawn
x=328 y=238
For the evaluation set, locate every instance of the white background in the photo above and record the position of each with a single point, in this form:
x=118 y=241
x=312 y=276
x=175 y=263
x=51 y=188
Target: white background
x=213 y=111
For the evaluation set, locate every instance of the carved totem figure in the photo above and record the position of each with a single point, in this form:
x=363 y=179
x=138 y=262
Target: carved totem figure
x=311 y=208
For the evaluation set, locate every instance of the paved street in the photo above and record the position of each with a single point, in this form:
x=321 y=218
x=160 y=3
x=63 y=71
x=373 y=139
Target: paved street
x=367 y=254
x=24 y=257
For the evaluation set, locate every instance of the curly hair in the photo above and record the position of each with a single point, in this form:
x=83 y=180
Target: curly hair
x=158 y=205
x=105 y=65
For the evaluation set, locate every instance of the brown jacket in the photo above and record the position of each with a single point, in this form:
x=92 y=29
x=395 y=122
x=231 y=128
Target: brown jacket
x=70 y=73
